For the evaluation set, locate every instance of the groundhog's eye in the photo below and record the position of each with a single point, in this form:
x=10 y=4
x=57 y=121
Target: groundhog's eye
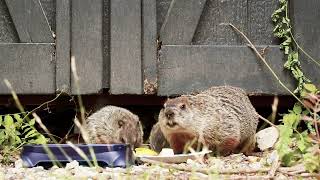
x=120 y=123
x=182 y=106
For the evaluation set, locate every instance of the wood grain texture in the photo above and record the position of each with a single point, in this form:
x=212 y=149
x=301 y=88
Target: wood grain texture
x=306 y=25
x=181 y=21
x=183 y=69
x=30 y=68
x=162 y=10
x=211 y=30
x=260 y=25
x=125 y=59
x=149 y=41
x=87 y=44
x=30 y=21
x=8 y=33
x=63 y=45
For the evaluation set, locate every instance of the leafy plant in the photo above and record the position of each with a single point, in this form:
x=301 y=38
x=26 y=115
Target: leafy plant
x=16 y=131
x=295 y=146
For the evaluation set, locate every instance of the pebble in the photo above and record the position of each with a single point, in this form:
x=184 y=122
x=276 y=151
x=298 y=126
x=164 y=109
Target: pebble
x=18 y=163
x=267 y=138
x=72 y=165
x=273 y=156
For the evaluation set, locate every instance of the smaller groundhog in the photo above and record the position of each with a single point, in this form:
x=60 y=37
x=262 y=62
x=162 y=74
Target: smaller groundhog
x=114 y=125
x=221 y=118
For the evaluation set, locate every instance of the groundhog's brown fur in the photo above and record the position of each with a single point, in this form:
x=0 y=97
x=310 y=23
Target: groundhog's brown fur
x=221 y=118
x=157 y=139
x=112 y=125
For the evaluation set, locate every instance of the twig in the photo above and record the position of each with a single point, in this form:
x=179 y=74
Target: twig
x=41 y=105
x=275 y=165
x=299 y=47
x=310 y=175
x=267 y=121
x=291 y=169
x=264 y=61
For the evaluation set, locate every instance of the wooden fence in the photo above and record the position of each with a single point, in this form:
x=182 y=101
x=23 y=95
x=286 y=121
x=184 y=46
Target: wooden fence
x=115 y=45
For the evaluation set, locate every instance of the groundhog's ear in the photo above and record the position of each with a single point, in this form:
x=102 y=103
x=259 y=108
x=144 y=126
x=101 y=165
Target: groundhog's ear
x=120 y=123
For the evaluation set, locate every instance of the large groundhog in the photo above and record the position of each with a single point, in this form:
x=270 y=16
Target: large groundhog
x=112 y=125
x=220 y=118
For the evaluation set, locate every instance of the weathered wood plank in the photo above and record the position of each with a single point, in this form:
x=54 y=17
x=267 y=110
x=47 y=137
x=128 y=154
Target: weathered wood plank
x=149 y=43
x=306 y=25
x=8 y=33
x=162 y=9
x=30 y=21
x=211 y=30
x=30 y=68
x=86 y=44
x=183 y=69
x=181 y=21
x=125 y=59
x=260 y=25
x=63 y=45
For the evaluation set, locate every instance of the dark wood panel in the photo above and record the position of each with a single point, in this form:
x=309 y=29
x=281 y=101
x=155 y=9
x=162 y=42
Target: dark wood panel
x=306 y=25
x=87 y=44
x=63 y=45
x=183 y=69
x=211 y=30
x=29 y=67
x=149 y=42
x=8 y=33
x=125 y=59
x=30 y=21
x=181 y=21
x=260 y=25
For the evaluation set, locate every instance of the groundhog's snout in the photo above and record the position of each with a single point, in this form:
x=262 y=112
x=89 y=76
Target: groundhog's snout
x=169 y=113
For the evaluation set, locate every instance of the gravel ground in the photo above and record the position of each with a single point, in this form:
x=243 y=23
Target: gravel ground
x=237 y=166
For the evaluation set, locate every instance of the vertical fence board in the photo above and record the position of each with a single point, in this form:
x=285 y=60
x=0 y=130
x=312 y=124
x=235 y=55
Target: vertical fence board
x=306 y=27
x=63 y=45
x=125 y=59
x=211 y=29
x=30 y=21
x=181 y=21
x=260 y=25
x=149 y=43
x=86 y=44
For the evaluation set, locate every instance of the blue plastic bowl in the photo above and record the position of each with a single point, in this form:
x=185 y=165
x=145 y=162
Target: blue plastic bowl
x=110 y=155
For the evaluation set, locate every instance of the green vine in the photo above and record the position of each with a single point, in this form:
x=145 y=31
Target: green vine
x=295 y=146
x=282 y=31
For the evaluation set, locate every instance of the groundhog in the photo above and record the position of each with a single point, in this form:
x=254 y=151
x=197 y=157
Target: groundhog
x=113 y=125
x=221 y=118
x=156 y=139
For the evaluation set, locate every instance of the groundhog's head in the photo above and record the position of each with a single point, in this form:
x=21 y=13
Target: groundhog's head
x=177 y=114
x=129 y=129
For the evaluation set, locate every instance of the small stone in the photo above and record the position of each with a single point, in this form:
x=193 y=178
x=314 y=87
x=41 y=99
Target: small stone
x=37 y=169
x=72 y=165
x=280 y=177
x=272 y=157
x=267 y=138
x=54 y=167
x=18 y=163
x=256 y=165
x=252 y=159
